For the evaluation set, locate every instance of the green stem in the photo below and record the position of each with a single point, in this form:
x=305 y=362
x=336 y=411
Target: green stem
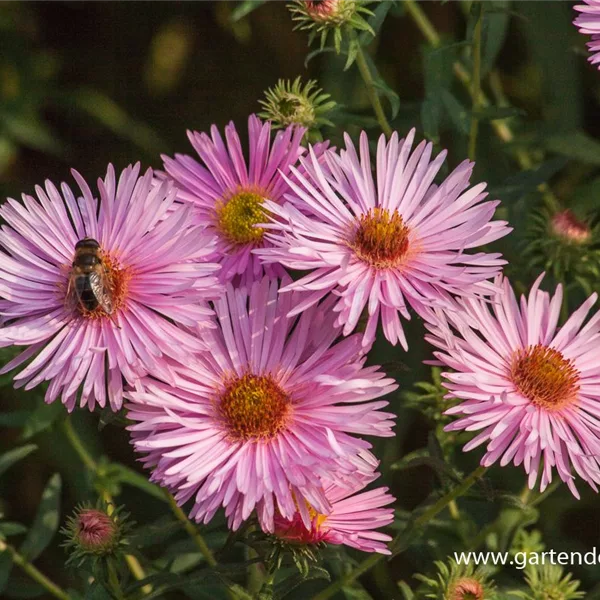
x=192 y=530
x=34 y=573
x=423 y=23
x=476 y=85
x=502 y=129
x=113 y=581
x=235 y=592
x=132 y=562
x=404 y=536
x=365 y=73
x=78 y=446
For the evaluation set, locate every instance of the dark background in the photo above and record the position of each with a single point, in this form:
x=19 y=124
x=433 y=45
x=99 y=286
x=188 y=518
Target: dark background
x=87 y=83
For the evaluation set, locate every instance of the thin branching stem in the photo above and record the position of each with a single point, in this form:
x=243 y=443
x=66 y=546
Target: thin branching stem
x=404 y=536
x=133 y=563
x=476 y=84
x=500 y=126
x=34 y=573
x=365 y=73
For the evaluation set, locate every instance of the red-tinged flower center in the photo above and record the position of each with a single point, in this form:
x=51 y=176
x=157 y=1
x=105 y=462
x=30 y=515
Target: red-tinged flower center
x=295 y=531
x=467 y=588
x=567 y=226
x=545 y=376
x=96 y=531
x=238 y=215
x=253 y=407
x=320 y=8
x=380 y=238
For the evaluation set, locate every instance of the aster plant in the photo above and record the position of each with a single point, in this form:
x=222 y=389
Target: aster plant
x=156 y=281
x=228 y=190
x=384 y=241
x=264 y=420
x=334 y=350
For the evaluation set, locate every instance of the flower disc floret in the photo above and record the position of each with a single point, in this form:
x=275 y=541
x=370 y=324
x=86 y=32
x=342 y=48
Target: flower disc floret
x=545 y=377
x=253 y=407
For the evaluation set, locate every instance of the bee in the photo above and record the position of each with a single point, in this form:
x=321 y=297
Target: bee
x=89 y=284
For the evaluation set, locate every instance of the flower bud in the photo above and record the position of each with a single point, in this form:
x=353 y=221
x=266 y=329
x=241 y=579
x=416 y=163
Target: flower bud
x=567 y=226
x=94 y=532
x=546 y=582
x=321 y=16
x=292 y=103
x=458 y=582
x=467 y=588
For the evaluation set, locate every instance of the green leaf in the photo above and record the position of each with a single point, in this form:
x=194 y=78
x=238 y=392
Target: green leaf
x=407 y=593
x=113 y=117
x=375 y=22
x=8 y=459
x=96 y=591
x=576 y=145
x=458 y=114
x=383 y=87
x=497 y=113
x=437 y=69
x=5 y=569
x=283 y=588
x=42 y=418
x=245 y=8
x=28 y=131
x=14 y=419
x=496 y=17
x=20 y=587
x=122 y=474
x=519 y=185
x=8 y=528
x=46 y=521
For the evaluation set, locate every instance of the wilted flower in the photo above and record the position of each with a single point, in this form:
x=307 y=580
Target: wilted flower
x=588 y=23
x=228 y=191
x=291 y=103
x=382 y=241
x=529 y=387
x=322 y=16
x=546 y=582
x=458 y=582
x=267 y=415
x=353 y=520
x=151 y=258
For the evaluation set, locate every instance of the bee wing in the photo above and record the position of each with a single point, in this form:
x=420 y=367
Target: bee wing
x=100 y=290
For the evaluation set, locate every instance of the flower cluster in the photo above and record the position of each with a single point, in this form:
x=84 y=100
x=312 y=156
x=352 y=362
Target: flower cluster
x=249 y=391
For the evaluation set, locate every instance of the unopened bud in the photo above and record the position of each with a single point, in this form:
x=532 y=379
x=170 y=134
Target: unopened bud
x=568 y=227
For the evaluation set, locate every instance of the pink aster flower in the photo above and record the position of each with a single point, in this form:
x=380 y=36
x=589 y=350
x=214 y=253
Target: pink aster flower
x=386 y=240
x=110 y=315
x=530 y=388
x=272 y=409
x=228 y=189
x=353 y=520
x=588 y=23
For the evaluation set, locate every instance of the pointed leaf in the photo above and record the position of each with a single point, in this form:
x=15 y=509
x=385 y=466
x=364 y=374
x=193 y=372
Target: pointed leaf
x=46 y=521
x=43 y=417
x=6 y=564
x=8 y=459
x=245 y=8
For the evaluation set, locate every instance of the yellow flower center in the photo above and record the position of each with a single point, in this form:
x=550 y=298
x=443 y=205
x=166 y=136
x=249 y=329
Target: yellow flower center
x=238 y=216
x=545 y=376
x=380 y=238
x=253 y=407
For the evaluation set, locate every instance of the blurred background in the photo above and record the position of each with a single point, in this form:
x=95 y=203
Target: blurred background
x=87 y=83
